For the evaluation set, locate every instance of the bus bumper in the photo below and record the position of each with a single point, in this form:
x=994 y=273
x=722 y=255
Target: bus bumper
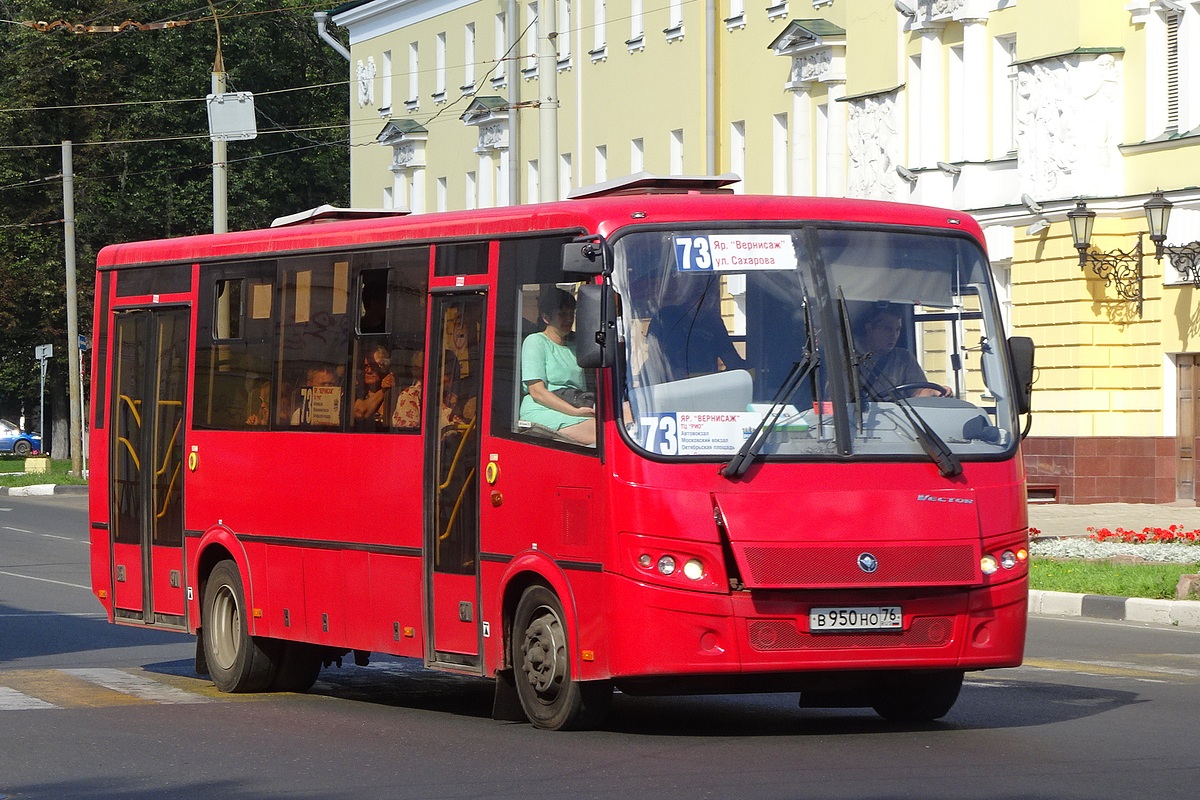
x=666 y=632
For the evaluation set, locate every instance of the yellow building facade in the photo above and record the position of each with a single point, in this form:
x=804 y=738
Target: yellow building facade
x=1011 y=110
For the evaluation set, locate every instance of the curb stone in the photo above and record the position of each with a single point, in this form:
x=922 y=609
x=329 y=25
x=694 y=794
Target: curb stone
x=1177 y=613
x=42 y=489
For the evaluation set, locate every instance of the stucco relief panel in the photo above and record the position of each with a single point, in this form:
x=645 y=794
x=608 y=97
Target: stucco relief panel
x=1068 y=126
x=875 y=148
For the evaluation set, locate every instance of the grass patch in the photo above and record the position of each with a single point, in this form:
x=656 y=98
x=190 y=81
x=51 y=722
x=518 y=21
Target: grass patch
x=1155 y=581
x=10 y=467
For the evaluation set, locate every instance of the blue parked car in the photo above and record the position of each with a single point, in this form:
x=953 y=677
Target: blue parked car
x=16 y=441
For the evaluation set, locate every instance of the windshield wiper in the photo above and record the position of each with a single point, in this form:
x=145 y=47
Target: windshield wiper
x=800 y=370
x=935 y=446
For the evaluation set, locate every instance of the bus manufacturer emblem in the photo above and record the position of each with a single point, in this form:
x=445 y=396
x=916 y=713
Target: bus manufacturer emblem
x=868 y=563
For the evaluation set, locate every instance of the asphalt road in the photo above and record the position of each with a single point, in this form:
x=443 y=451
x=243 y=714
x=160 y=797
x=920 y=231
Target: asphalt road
x=90 y=710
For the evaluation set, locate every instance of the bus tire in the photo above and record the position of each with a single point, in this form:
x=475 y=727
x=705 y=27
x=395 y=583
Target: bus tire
x=237 y=661
x=918 y=696
x=550 y=698
x=298 y=667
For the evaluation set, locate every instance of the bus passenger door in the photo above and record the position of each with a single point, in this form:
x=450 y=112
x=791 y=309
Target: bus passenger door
x=149 y=380
x=454 y=372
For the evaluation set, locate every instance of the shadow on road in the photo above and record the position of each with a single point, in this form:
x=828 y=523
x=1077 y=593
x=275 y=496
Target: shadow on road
x=984 y=705
x=28 y=634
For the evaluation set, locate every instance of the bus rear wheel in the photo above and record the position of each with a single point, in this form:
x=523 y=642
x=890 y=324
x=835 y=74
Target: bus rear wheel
x=550 y=698
x=918 y=696
x=237 y=661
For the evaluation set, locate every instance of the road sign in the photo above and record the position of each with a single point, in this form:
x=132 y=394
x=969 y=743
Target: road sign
x=43 y=351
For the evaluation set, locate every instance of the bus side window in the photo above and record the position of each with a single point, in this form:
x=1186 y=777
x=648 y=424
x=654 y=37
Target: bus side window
x=529 y=269
x=314 y=335
x=233 y=347
x=389 y=342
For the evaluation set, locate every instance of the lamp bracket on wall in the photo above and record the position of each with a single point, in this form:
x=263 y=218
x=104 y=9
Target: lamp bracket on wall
x=1122 y=270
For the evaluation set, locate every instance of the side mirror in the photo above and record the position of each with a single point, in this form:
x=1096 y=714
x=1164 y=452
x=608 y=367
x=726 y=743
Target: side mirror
x=585 y=257
x=596 y=327
x=1020 y=350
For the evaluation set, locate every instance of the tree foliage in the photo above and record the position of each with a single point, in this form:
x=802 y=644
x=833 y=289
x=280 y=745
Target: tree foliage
x=142 y=159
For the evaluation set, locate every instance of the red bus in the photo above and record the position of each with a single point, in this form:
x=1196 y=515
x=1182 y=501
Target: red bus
x=782 y=452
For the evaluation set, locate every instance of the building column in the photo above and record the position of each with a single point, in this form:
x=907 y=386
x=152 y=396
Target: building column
x=933 y=97
x=975 y=96
x=835 y=146
x=802 y=142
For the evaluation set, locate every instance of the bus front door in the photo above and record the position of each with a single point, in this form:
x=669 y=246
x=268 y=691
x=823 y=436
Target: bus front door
x=454 y=367
x=149 y=379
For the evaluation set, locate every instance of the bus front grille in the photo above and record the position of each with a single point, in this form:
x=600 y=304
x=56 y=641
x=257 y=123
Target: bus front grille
x=790 y=566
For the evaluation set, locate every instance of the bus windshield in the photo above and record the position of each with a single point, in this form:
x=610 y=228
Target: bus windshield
x=823 y=341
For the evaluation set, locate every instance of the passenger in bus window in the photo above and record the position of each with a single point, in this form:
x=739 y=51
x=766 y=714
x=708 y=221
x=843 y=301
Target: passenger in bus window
x=886 y=364
x=688 y=337
x=406 y=415
x=375 y=389
x=260 y=406
x=458 y=402
x=548 y=366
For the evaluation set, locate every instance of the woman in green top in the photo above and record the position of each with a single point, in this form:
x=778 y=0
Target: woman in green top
x=547 y=365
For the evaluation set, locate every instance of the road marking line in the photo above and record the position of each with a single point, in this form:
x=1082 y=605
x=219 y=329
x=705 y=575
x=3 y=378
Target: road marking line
x=12 y=700
x=1111 y=668
x=137 y=686
x=66 y=691
x=64 y=538
x=44 y=580
x=18 y=530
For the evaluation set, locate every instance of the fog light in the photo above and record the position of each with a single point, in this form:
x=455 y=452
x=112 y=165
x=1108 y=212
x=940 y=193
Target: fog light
x=644 y=561
x=988 y=565
x=693 y=570
x=1008 y=559
x=666 y=565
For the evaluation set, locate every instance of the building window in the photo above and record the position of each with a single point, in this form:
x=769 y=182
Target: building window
x=637 y=155
x=779 y=154
x=566 y=175
x=531 y=43
x=637 y=27
x=468 y=86
x=674 y=29
x=601 y=163
x=442 y=194
x=676 y=152
x=385 y=84
x=956 y=85
x=501 y=71
x=414 y=69
x=533 y=183
x=1004 y=97
x=737 y=154
x=439 y=68
x=563 y=41
x=1172 y=21
x=737 y=15
x=599 y=30
x=472 y=191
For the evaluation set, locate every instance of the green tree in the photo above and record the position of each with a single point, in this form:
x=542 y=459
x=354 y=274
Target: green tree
x=142 y=158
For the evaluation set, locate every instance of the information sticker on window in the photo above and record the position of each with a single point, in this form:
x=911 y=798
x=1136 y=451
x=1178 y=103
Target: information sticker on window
x=734 y=252
x=697 y=433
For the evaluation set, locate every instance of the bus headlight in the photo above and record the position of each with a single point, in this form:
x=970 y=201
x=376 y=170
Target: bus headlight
x=989 y=565
x=674 y=563
x=666 y=565
x=1008 y=559
x=693 y=569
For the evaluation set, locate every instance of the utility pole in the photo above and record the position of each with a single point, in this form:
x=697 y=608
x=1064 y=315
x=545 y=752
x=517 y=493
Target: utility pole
x=548 y=99
x=73 y=363
x=220 y=149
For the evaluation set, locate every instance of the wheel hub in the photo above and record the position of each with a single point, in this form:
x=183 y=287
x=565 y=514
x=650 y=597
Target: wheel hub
x=544 y=654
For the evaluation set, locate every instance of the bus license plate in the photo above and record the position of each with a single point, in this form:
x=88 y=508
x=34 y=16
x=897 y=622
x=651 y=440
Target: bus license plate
x=860 y=618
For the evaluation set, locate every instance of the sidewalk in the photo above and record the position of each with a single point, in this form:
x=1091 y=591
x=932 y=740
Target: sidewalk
x=42 y=489
x=1061 y=520
x=1054 y=519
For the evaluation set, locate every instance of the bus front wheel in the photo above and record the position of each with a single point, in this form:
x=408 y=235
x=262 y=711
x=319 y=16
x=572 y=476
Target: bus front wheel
x=237 y=661
x=918 y=696
x=550 y=698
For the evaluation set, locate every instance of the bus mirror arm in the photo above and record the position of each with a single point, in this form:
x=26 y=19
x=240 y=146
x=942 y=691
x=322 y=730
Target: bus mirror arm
x=586 y=255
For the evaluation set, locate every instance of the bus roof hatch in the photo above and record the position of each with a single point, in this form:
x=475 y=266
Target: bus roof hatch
x=328 y=213
x=647 y=183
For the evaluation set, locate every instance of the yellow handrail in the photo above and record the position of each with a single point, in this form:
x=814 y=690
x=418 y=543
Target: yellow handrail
x=170 y=487
x=137 y=463
x=465 y=430
x=133 y=404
